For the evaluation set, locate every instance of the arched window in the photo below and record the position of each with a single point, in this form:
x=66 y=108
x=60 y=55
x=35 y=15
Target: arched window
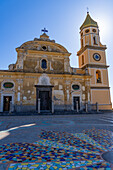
x=98 y=76
x=82 y=43
x=44 y=64
x=94 y=40
x=82 y=59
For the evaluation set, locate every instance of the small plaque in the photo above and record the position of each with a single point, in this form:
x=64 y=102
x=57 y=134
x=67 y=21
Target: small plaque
x=8 y=85
x=75 y=87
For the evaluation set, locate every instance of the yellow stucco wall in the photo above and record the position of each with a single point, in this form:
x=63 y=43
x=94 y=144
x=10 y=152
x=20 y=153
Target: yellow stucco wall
x=88 y=57
x=85 y=54
x=102 y=54
x=101 y=96
x=104 y=77
x=62 y=92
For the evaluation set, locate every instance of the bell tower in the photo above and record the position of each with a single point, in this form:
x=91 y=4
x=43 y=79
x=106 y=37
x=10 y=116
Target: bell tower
x=92 y=56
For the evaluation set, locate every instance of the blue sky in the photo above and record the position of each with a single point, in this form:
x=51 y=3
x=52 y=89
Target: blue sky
x=22 y=20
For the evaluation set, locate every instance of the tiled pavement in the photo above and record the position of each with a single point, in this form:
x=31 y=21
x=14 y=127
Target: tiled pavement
x=60 y=151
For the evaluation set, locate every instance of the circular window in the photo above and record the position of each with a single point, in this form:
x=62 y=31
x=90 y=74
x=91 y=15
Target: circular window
x=75 y=87
x=44 y=64
x=8 y=85
x=94 y=30
x=96 y=57
x=44 y=48
x=87 y=30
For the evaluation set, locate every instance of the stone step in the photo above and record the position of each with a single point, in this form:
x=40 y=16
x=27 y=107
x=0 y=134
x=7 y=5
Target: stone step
x=46 y=112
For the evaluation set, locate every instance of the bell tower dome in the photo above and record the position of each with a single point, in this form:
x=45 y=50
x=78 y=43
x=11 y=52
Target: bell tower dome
x=92 y=57
x=89 y=32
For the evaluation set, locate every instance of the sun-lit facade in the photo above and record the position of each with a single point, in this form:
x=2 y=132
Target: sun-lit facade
x=43 y=78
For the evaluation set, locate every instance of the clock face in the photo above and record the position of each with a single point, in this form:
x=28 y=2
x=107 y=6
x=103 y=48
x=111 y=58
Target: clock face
x=96 y=57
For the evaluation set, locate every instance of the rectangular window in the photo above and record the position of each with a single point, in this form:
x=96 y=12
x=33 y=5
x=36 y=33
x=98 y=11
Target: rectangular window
x=82 y=59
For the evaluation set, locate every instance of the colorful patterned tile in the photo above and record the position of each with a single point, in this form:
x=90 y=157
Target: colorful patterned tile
x=101 y=166
x=58 y=165
x=89 y=140
x=69 y=139
x=41 y=153
x=102 y=137
x=60 y=151
x=63 y=146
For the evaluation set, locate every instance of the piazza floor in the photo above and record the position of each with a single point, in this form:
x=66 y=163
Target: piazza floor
x=60 y=142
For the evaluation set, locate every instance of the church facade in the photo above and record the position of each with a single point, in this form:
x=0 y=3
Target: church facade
x=42 y=77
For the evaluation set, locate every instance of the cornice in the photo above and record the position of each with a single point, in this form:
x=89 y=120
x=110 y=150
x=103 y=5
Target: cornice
x=94 y=66
x=23 y=73
x=48 y=52
x=43 y=52
x=90 y=47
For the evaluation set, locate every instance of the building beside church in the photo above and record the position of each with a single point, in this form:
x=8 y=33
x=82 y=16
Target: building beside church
x=42 y=75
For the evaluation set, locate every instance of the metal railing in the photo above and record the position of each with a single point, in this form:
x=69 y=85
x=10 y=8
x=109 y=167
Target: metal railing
x=77 y=107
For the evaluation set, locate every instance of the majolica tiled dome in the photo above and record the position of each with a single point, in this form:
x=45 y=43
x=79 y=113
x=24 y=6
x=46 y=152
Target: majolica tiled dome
x=89 y=22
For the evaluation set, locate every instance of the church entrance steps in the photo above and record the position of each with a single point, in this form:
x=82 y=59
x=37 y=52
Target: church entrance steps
x=58 y=112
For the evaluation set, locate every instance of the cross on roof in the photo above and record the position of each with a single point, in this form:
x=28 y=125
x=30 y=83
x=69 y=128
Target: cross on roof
x=44 y=30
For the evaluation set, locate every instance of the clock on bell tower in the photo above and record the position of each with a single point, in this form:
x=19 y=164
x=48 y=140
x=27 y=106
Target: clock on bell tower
x=93 y=57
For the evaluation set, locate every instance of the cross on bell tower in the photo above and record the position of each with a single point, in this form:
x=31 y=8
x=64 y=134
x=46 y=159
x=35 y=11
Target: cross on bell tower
x=87 y=10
